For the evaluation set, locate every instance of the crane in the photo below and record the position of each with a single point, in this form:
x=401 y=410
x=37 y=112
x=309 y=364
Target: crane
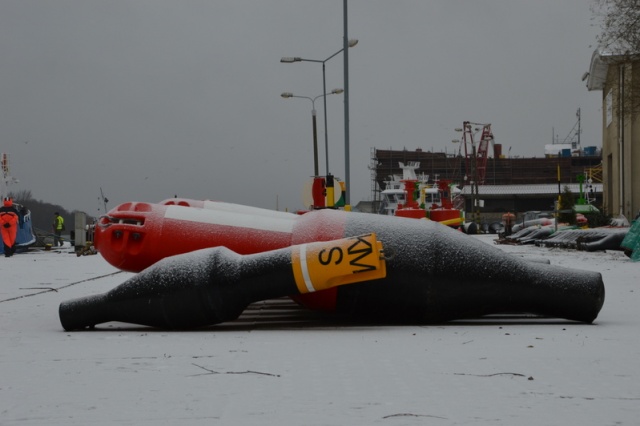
x=479 y=156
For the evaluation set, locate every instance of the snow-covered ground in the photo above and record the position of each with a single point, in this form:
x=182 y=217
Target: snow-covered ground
x=280 y=365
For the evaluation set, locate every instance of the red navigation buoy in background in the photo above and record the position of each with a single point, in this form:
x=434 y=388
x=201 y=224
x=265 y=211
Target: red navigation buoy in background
x=410 y=208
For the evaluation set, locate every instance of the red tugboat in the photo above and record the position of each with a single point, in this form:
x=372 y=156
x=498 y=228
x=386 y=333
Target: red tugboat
x=418 y=199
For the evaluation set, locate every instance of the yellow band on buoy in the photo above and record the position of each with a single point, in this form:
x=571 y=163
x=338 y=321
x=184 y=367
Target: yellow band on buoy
x=322 y=265
x=456 y=221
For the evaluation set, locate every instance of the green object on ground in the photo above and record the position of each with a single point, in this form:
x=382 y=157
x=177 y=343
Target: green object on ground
x=632 y=241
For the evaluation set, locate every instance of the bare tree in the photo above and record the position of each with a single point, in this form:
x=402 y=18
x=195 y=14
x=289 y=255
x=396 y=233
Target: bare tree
x=619 y=41
x=21 y=197
x=620 y=25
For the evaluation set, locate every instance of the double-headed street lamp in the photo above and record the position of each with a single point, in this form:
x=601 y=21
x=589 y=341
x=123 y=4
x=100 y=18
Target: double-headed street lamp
x=290 y=60
x=287 y=95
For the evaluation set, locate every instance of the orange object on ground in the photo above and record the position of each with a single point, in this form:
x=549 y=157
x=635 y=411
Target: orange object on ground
x=8 y=232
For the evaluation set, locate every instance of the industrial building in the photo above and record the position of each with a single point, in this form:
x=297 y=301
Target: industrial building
x=617 y=76
x=510 y=184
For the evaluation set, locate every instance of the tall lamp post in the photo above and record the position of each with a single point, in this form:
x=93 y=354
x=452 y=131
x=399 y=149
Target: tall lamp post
x=288 y=95
x=290 y=60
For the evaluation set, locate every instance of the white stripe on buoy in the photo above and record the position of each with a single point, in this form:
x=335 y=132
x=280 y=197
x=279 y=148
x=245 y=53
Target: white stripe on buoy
x=281 y=223
x=305 y=268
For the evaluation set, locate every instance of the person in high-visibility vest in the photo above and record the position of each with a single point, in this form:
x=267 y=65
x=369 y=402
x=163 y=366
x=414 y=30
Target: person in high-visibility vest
x=8 y=226
x=58 y=227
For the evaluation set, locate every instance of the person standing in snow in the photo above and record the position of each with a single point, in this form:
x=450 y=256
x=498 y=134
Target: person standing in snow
x=58 y=227
x=8 y=226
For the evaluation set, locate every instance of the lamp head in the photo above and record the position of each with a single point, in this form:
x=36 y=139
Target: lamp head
x=290 y=60
x=287 y=95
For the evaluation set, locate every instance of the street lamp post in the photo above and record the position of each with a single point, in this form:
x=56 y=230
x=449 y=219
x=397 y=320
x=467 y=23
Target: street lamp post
x=287 y=95
x=290 y=60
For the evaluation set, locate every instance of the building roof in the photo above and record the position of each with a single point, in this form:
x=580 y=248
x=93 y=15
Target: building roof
x=597 y=72
x=529 y=190
x=600 y=61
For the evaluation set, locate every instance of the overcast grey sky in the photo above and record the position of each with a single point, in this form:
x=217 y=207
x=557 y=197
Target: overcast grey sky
x=148 y=99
